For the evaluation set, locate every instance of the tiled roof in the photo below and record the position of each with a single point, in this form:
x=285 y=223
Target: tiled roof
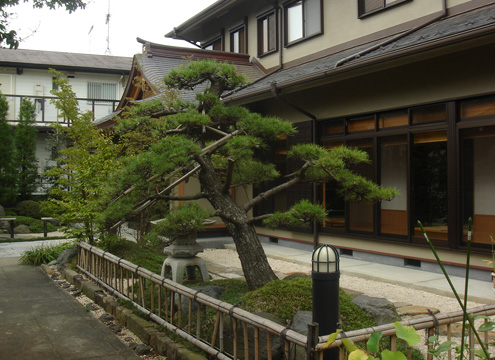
x=165 y=58
x=451 y=28
x=46 y=59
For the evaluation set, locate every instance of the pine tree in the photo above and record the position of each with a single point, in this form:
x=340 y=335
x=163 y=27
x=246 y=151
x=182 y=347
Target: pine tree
x=7 y=168
x=25 y=150
x=221 y=145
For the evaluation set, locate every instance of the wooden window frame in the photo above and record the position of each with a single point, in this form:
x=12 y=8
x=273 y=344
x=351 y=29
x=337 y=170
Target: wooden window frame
x=214 y=40
x=305 y=36
x=260 y=19
x=361 y=7
x=245 y=36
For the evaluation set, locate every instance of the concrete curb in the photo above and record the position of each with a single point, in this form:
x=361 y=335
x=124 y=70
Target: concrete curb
x=145 y=330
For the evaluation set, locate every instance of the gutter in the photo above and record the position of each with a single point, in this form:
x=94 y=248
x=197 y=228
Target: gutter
x=177 y=36
x=373 y=61
x=394 y=38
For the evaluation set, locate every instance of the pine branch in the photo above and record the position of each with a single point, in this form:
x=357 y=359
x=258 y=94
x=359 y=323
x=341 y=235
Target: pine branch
x=278 y=188
x=257 y=218
x=228 y=177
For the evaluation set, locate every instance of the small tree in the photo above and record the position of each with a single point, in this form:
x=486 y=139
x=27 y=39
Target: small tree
x=8 y=192
x=10 y=37
x=25 y=150
x=221 y=146
x=89 y=157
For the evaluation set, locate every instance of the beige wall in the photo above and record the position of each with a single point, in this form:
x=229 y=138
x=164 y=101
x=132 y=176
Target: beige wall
x=342 y=25
x=455 y=75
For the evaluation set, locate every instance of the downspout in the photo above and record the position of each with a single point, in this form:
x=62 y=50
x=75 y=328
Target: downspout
x=396 y=37
x=276 y=93
x=176 y=35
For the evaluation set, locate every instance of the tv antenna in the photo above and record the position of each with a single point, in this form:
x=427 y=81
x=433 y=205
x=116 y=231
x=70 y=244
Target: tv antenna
x=89 y=34
x=107 y=22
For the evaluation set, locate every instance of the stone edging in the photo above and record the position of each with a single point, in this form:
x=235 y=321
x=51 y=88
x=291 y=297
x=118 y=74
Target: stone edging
x=143 y=329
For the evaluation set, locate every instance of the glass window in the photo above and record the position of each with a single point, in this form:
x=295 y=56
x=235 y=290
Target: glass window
x=214 y=45
x=478 y=178
x=238 y=40
x=333 y=127
x=393 y=119
x=102 y=91
x=267 y=34
x=303 y=19
x=428 y=114
x=429 y=183
x=393 y=173
x=361 y=124
x=478 y=107
x=370 y=6
x=361 y=212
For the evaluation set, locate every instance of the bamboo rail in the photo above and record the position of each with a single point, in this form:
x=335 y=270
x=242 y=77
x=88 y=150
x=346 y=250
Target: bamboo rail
x=164 y=302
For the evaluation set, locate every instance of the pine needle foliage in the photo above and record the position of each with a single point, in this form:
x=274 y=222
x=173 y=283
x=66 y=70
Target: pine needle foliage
x=8 y=191
x=25 y=150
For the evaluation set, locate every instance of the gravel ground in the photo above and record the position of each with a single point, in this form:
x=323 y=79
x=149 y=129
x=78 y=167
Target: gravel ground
x=394 y=293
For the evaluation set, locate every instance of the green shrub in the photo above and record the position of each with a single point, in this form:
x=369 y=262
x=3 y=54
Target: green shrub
x=43 y=254
x=286 y=298
x=351 y=315
x=35 y=225
x=24 y=220
x=29 y=208
x=137 y=254
x=281 y=298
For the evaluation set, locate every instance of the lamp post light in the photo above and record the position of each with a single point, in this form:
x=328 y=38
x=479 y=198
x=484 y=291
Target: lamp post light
x=325 y=275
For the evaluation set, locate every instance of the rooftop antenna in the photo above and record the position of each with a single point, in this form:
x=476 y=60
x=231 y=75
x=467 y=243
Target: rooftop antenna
x=89 y=33
x=107 y=22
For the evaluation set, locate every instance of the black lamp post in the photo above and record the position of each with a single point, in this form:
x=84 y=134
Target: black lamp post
x=326 y=275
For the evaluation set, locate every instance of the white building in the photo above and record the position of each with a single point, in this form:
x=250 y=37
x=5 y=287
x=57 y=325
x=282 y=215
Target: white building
x=97 y=80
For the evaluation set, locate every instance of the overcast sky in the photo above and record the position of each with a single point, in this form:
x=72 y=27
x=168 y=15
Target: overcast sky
x=85 y=31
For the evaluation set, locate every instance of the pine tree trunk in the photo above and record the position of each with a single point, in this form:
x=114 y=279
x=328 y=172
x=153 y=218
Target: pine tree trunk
x=254 y=262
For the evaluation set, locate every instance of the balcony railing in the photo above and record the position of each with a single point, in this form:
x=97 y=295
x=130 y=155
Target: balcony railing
x=47 y=113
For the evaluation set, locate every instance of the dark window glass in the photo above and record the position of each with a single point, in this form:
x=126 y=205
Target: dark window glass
x=478 y=179
x=429 y=183
x=267 y=34
x=370 y=6
x=478 y=107
x=393 y=173
x=361 y=124
x=333 y=127
x=238 y=40
x=393 y=119
x=361 y=212
x=303 y=19
x=428 y=114
x=214 y=45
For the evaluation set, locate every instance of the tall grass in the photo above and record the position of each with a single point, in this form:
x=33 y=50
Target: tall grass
x=44 y=254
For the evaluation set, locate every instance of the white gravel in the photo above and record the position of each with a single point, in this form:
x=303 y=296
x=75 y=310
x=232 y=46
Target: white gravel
x=394 y=293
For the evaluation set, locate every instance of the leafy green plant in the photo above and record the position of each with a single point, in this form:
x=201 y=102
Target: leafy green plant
x=373 y=351
x=183 y=220
x=29 y=208
x=25 y=150
x=43 y=254
x=468 y=319
x=35 y=225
